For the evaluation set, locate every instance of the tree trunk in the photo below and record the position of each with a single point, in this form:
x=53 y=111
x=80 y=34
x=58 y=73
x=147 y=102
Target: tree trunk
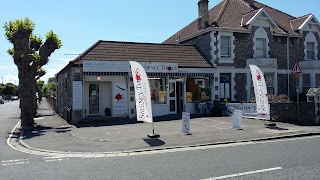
x=26 y=84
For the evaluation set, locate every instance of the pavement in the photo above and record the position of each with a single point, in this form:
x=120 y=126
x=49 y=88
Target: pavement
x=53 y=135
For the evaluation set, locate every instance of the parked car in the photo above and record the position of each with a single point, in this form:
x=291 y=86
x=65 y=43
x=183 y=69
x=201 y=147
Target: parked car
x=1 y=100
x=13 y=98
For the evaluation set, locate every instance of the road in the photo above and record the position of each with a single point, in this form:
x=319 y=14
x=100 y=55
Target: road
x=297 y=158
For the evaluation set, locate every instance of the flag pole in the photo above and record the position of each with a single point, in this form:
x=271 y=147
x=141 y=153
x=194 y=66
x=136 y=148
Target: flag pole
x=153 y=135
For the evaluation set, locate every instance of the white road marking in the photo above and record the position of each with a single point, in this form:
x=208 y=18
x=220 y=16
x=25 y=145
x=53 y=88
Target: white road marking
x=53 y=160
x=245 y=173
x=17 y=163
x=15 y=160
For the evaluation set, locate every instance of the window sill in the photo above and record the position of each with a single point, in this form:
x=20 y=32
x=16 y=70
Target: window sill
x=226 y=60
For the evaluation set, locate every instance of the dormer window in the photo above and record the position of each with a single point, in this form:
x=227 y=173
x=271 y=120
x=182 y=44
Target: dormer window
x=261 y=48
x=311 y=50
x=310 y=44
x=225 y=46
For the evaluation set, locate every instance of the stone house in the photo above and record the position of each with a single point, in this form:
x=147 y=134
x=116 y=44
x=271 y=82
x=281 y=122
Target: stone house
x=236 y=33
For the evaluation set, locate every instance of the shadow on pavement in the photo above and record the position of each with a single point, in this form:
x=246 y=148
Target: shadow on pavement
x=278 y=128
x=154 y=142
x=39 y=131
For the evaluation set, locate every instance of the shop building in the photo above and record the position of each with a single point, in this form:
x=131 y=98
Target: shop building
x=99 y=83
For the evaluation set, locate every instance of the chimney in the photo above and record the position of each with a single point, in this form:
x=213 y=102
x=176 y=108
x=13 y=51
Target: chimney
x=203 y=19
x=249 y=2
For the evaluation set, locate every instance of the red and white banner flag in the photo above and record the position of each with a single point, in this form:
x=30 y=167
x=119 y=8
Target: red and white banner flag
x=142 y=92
x=260 y=91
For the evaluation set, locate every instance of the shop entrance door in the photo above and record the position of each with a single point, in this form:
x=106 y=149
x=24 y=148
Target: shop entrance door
x=172 y=97
x=176 y=96
x=225 y=87
x=94 y=99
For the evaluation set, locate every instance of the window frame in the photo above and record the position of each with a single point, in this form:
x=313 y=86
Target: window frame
x=263 y=49
x=312 y=50
x=228 y=55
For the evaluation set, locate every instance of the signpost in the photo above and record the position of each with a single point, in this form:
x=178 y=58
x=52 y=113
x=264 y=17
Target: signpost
x=297 y=71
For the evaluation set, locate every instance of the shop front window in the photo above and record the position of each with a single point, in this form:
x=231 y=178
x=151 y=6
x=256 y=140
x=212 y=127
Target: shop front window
x=198 y=89
x=158 y=90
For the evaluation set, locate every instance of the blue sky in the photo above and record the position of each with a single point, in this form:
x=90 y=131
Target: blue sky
x=79 y=24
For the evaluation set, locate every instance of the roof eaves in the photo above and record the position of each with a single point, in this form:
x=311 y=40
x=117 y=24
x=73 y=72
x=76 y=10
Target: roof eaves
x=262 y=10
x=311 y=16
x=213 y=29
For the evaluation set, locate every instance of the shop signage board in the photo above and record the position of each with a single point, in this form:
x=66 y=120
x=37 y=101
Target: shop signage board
x=105 y=66
x=160 y=67
x=119 y=99
x=77 y=95
x=119 y=66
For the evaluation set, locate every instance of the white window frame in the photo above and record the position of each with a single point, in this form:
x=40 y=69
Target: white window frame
x=228 y=46
x=310 y=38
x=223 y=58
x=260 y=34
x=263 y=49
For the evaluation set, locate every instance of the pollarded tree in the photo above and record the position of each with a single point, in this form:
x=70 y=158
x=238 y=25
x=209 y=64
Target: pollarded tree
x=29 y=53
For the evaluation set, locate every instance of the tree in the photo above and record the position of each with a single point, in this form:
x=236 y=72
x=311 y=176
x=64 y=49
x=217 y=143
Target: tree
x=50 y=88
x=29 y=55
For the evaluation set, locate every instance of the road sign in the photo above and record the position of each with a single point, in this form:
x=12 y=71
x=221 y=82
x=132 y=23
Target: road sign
x=296 y=69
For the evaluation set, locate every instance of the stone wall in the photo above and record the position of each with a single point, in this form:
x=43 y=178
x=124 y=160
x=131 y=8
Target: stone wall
x=287 y=113
x=202 y=44
x=243 y=49
x=240 y=87
x=282 y=84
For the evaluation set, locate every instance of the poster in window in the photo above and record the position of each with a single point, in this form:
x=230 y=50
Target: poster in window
x=162 y=97
x=189 y=97
x=119 y=99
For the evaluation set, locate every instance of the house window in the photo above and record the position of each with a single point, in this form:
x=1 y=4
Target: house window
x=306 y=82
x=311 y=50
x=269 y=82
x=261 y=48
x=310 y=44
x=225 y=46
x=261 y=42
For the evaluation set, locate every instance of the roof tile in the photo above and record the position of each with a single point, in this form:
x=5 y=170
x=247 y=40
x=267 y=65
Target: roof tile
x=184 y=55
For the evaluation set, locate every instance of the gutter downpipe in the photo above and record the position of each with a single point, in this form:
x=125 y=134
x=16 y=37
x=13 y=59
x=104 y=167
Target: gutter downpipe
x=288 y=75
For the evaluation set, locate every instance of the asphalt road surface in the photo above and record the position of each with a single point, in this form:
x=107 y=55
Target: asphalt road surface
x=297 y=158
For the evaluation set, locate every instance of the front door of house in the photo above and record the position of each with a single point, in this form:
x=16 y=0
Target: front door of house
x=94 y=99
x=225 y=87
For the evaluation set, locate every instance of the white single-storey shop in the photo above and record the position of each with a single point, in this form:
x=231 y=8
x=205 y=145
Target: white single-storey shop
x=98 y=83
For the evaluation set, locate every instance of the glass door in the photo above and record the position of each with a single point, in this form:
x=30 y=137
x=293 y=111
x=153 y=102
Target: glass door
x=172 y=97
x=93 y=99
